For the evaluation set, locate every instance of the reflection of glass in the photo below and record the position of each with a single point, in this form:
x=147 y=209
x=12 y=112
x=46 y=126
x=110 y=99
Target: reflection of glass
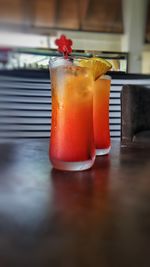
x=72 y=140
x=83 y=214
x=82 y=198
x=101 y=115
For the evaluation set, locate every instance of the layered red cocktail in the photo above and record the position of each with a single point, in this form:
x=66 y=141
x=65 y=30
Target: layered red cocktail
x=72 y=140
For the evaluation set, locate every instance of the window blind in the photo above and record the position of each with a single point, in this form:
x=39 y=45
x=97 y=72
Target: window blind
x=25 y=103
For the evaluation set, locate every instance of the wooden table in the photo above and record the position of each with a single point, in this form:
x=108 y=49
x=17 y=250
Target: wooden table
x=99 y=217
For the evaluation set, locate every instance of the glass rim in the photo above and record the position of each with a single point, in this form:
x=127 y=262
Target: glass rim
x=105 y=77
x=53 y=61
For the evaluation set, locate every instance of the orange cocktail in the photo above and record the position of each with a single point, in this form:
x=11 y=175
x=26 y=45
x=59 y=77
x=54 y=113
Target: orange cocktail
x=101 y=91
x=72 y=140
x=101 y=115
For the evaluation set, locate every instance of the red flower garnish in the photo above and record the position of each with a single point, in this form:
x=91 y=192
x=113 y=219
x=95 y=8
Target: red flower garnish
x=64 y=45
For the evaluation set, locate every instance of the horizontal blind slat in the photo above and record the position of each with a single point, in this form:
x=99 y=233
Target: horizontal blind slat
x=25 y=99
x=23 y=92
x=25 y=113
x=130 y=81
x=34 y=86
x=22 y=106
x=25 y=120
x=23 y=79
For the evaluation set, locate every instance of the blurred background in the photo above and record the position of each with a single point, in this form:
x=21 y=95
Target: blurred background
x=118 y=30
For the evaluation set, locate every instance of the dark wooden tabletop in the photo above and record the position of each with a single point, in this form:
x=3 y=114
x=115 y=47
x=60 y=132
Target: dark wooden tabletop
x=99 y=217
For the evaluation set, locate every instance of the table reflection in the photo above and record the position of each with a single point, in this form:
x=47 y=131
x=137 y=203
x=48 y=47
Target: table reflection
x=82 y=198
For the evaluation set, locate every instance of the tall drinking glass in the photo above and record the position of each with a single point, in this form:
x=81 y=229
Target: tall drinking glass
x=101 y=115
x=72 y=138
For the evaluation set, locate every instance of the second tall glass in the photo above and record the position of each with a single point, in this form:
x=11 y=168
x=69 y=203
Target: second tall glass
x=101 y=115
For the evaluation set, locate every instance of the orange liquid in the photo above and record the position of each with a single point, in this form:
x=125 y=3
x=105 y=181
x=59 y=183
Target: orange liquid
x=101 y=113
x=72 y=136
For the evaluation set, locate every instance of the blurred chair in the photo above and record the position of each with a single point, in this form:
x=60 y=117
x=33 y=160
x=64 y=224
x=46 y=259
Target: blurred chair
x=135 y=114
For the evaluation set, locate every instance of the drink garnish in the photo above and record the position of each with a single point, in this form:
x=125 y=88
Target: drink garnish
x=98 y=66
x=64 y=45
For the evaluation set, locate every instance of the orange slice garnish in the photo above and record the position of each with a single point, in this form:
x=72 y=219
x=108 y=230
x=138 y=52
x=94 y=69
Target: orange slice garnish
x=98 y=66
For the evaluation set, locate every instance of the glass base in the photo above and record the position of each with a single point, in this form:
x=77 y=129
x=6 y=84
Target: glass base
x=101 y=152
x=73 y=166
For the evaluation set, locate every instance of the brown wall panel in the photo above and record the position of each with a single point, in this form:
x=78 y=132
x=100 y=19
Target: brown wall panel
x=90 y=15
x=11 y=11
x=67 y=14
x=104 y=16
x=147 y=37
x=45 y=13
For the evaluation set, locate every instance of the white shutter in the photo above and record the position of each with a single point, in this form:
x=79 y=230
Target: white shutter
x=25 y=105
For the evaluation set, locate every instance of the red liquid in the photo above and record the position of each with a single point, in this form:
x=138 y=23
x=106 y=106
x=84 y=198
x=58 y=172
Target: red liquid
x=72 y=137
x=101 y=113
